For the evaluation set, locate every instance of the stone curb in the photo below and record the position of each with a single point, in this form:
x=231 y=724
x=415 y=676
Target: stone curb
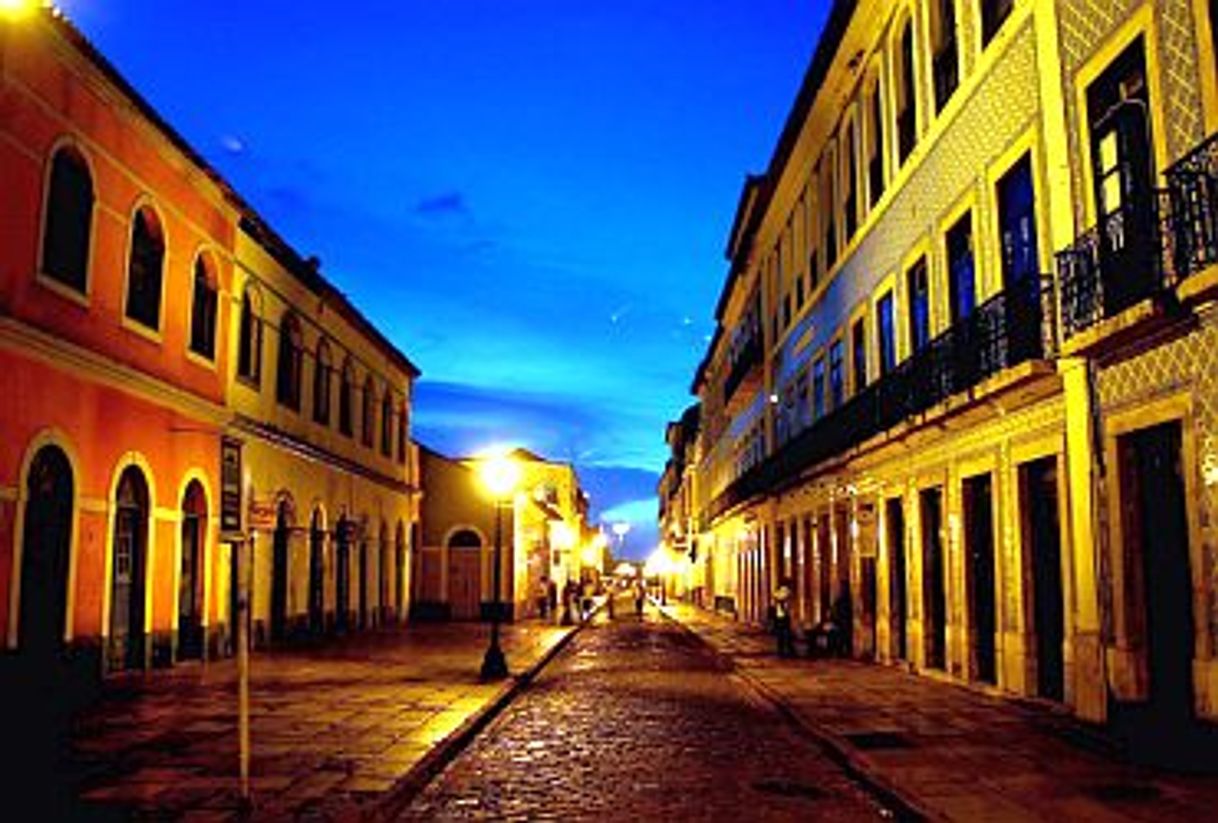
x=395 y=799
x=903 y=805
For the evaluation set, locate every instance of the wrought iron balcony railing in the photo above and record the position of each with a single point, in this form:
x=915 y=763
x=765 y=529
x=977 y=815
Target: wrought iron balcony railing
x=1193 y=186
x=1010 y=328
x=747 y=358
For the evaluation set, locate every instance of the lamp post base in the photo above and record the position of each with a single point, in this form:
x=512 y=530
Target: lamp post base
x=494 y=664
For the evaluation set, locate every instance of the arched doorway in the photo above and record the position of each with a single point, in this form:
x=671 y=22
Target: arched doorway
x=130 y=566
x=190 y=587
x=342 y=576
x=465 y=575
x=382 y=570
x=279 y=575
x=399 y=567
x=317 y=575
x=45 y=552
x=363 y=580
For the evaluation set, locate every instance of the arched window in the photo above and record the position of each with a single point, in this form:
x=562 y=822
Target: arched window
x=875 y=142
x=387 y=423
x=322 y=372
x=465 y=539
x=69 y=220
x=290 y=365
x=249 y=352
x=203 y=310
x=402 y=433
x=145 y=269
x=907 y=99
x=346 y=398
x=369 y=411
x=945 y=60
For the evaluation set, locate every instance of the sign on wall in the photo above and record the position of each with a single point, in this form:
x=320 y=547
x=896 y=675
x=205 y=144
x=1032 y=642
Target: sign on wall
x=230 y=489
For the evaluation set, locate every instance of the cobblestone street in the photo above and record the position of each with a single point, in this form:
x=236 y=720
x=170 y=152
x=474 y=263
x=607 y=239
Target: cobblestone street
x=639 y=720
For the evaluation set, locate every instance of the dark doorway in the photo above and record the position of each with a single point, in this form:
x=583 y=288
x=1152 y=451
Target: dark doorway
x=979 y=548
x=399 y=567
x=1042 y=542
x=867 y=586
x=1155 y=527
x=823 y=568
x=45 y=553
x=382 y=577
x=190 y=585
x=279 y=576
x=843 y=597
x=127 y=642
x=317 y=575
x=342 y=576
x=934 y=598
x=895 y=521
x=363 y=584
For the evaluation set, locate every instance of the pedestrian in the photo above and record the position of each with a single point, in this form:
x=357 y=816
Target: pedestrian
x=586 y=603
x=552 y=593
x=543 y=597
x=639 y=594
x=782 y=620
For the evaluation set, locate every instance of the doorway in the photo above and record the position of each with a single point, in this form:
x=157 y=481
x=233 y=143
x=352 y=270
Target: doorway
x=342 y=577
x=130 y=562
x=46 y=546
x=934 y=597
x=190 y=588
x=979 y=548
x=843 y=597
x=1155 y=528
x=317 y=575
x=465 y=575
x=1042 y=544
x=894 y=520
x=279 y=576
x=363 y=583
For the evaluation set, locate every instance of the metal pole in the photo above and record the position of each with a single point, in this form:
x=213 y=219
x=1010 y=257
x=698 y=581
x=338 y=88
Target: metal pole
x=494 y=664
x=244 y=579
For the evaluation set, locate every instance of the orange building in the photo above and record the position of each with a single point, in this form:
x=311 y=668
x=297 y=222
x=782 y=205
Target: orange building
x=124 y=267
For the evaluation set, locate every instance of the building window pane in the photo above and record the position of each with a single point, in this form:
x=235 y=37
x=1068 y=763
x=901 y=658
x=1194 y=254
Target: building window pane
x=907 y=101
x=249 y=352
x=203 y=311
x=858 y=346
x=346 y=398
x=1017 y=225
x=886 y=333
x=290 y=365
x=145 y=269
x=69 y=219
x=837 y=375
x=993 y=14
x=818 y=389
x=961 y=279
x=946 y=62
x=322 y=374
x=918 y=283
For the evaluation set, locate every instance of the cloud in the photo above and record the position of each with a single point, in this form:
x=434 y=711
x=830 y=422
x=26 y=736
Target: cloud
x=447 y=204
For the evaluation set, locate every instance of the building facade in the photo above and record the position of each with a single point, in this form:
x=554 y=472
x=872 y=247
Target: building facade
x=142 y=311
x=960 y=392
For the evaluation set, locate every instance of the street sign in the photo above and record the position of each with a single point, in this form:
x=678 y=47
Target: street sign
x=263 y=514
x=230 y=489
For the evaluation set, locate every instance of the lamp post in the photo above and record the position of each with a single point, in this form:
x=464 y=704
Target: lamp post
x=500 y=474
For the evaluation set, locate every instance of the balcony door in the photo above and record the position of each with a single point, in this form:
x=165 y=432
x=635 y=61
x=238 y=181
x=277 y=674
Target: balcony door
x=1122 y=168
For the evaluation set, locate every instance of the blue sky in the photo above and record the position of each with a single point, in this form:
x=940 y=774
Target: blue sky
x=530 y=197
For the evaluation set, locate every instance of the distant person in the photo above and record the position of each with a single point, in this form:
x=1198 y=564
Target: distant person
x=586 y=602
x=782 y=620
x=639 y=594
x=552 y=593
x=543 y=597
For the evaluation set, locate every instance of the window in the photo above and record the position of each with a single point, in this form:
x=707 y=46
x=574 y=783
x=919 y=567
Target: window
x=69 y=220
x=322 y=372
x=1017 y=225
x=830 y=224
x=810 y=227
x=850 y=216
x=886 y=338
x=387 y=423
x=799 y=292
x=918 y=283
x=346 y=398
x=289 y=367
x=837 y=375
x=858 y=353
x=145 y=269
x=818 y=388
x=369 y=411
x=960 y=268
x=993 y=14
x=802 y=409
x=875 y=145
x=907 y=101
x=203 y=310
x=249 y=353
x=403 y=434
x=943 y=46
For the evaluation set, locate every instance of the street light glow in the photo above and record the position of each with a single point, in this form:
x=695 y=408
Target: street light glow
x=500 y=475
x=17 y=9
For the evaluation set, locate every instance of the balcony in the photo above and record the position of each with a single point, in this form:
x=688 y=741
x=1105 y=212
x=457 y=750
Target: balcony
x=1131 y=265
x=1013 y=327
x=744 y=372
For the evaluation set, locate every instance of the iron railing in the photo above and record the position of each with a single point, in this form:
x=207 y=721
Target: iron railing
x=1010 y=328
x=1193 y=185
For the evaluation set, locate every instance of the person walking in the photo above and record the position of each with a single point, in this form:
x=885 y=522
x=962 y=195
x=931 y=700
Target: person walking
x=543 y=598
x=782 y=620
x=639 y=594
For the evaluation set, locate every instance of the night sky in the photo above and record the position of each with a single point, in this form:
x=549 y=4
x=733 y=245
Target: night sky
x=530 y=197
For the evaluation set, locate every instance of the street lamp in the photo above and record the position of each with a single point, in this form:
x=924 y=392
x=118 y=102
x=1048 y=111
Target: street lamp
x=16 y=9
x=500 y=475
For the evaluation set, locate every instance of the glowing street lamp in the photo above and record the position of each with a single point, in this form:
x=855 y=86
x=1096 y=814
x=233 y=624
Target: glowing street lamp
x=17 y=9
x=500 y=475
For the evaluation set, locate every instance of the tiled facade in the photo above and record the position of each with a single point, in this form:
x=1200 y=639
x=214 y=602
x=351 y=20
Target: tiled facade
x=962 y=392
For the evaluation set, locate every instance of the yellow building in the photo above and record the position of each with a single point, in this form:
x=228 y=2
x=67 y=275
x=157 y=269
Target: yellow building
x=322 y=402
x=962 y=390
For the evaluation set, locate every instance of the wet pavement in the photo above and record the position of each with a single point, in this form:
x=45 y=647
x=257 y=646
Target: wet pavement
x=638 y=719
